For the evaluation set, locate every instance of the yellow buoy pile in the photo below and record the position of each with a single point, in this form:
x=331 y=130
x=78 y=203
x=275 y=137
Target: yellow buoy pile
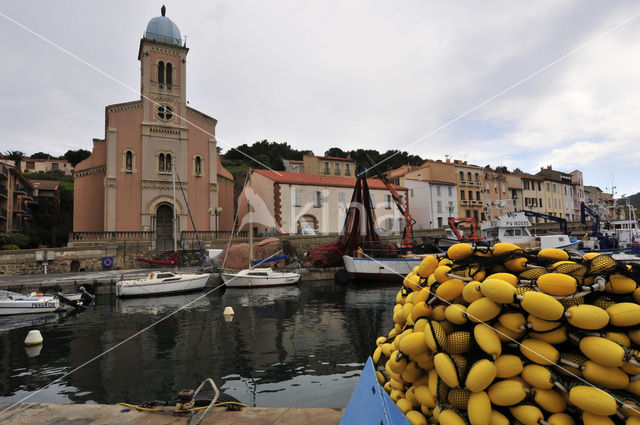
x=507 y=336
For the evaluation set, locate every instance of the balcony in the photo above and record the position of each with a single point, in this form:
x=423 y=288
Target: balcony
x=4 y=171
x=480 y=203
x=463 y=202
x=4 y=192
x=478 y=184
x=3 y=213
x=462 y=183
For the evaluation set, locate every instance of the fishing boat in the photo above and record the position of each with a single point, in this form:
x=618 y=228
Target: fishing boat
x=14 y=303
x=514 y=228
x=391 y=269
x=258 y=276
x=163 y=282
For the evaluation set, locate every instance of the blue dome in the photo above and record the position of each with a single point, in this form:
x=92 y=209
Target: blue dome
x=163 y=30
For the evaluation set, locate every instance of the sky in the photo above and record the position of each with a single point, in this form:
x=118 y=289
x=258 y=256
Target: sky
x=517 y=84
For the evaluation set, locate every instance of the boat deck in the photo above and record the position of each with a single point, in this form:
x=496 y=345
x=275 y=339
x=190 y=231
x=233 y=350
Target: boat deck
x=40 y=413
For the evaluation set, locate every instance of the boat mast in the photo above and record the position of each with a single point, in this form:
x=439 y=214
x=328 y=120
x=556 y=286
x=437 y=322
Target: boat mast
x=250 y=222
x=175 y=227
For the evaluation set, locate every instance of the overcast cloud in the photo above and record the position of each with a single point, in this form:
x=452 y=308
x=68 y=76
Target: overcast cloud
x=370 y=74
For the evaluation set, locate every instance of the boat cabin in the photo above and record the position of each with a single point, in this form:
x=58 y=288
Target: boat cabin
x=512 y=228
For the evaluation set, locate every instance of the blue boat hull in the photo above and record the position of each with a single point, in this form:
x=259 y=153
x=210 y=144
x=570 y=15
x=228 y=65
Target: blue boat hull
x=370 y=404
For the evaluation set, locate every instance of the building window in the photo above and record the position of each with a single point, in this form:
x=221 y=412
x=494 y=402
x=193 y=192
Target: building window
x=470 y=195
x=468 y=213
x=347 y=169
x=469 y=175
x=477 y=177
x=165 y=113
x=540 y=205
x=387 y=199
x=411 y=192
x=461 y=176
x=438 y=190
x=161 y=73
x=389 y=224
x=439 y=206
x=336 y=168
x=128 y=161
x=477 y=195
x=462 y=195
x=197 y=166
x=164 y=163
x=297 y=198
x=342 y=200
x=169 y=74
x=31 y=165
x=317 y=199
x=495 y=187
x=450 y=190
x=439 y=221
x=504 y=189
x=539 y=186
x=54 y=165
x=326 y=167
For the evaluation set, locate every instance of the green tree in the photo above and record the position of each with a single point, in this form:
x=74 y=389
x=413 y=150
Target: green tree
x=41 y=155
x=336 y=152
x=76 y=156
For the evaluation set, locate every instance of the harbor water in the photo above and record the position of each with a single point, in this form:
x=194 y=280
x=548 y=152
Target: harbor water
x=298 y=346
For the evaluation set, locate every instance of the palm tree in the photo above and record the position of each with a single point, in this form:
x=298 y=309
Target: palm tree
x=15 y=156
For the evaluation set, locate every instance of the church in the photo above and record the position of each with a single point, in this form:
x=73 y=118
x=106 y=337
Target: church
x=126 y=183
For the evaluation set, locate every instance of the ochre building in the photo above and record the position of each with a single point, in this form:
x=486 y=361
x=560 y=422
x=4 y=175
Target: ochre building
x=126 y=183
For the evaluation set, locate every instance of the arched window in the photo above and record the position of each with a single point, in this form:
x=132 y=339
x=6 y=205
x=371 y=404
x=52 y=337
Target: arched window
x=198 y=166
x=128 y=162
x=169 y=78
x=167 y=163
x=161 y=163
x=160 y=72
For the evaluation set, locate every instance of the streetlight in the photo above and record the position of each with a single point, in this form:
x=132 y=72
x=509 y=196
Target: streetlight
x=216 y=212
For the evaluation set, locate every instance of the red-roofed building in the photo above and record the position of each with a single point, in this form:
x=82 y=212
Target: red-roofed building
x=328 y=165
x=291 y=203
x=16 y=198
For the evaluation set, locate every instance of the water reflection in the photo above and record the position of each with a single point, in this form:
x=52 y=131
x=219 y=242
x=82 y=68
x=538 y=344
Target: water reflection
x=287 y=346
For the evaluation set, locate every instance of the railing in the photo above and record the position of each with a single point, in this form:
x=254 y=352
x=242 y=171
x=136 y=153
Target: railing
x=5 y=171
x=113 y=236
x=4 y=191
x=3 y=213
x=212 y=234
x=19 y=189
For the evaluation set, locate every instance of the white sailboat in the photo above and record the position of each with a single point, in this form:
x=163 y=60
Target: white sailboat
x=259 y=276
x=163 y=282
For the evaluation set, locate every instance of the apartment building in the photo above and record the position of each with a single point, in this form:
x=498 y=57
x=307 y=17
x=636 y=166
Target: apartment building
x=328 y=166
x=16 y=198
x=39 y=165
x=498 y=196
x=470 y=181
x=433 y=192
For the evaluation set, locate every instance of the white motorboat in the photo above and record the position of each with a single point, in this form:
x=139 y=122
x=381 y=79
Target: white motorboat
x=259 y=276
x=380 y=268
x=14 y=303
x=161 y=283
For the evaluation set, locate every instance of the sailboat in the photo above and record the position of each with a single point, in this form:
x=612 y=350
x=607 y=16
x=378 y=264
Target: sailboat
x=257 y=276
x=164 y=282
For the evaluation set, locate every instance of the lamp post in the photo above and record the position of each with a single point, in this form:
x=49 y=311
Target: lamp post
x=216 y=211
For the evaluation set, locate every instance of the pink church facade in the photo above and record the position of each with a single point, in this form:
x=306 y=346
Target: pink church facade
x=126 y=183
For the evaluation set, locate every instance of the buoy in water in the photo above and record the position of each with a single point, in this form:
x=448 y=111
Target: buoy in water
x=228 y=311
x=33 y=338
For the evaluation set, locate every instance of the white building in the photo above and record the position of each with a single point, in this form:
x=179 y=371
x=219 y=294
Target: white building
x=431 y=203
x=292 y=203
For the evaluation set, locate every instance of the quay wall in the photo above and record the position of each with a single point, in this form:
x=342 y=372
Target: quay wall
x=88 y=256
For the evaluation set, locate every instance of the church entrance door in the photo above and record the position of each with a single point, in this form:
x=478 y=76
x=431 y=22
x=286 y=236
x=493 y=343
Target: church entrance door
x=164 y=228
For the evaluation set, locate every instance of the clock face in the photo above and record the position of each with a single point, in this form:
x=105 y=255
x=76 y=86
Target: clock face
x=164 y=112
